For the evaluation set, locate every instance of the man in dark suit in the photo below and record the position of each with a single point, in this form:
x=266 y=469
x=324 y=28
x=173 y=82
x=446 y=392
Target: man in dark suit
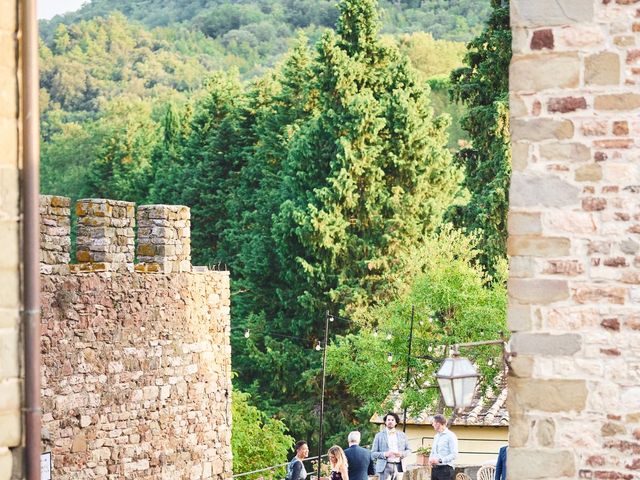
x=360 y=461
x=501 y=465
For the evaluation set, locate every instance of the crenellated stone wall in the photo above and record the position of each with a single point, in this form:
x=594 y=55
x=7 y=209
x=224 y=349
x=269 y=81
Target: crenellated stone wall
x=136 y=357
x=574 y=244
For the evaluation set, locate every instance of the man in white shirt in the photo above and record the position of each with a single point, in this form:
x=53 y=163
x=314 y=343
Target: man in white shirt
x=389 y=448
x=444 y=450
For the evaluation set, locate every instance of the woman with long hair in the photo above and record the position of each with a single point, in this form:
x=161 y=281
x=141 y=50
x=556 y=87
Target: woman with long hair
x=339 y=464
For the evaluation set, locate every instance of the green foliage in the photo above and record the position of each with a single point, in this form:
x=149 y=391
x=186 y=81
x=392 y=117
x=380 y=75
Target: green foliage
x=257 y=441
x=453 y=304
x=314 y=184
x=429 y=56
x=482 y=85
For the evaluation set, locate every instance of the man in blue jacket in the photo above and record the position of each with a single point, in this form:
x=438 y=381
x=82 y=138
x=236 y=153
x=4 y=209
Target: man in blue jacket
x=501 y=465
x=359 y=458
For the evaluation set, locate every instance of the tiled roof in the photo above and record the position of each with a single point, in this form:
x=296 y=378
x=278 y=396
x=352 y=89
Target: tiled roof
x=489 y=410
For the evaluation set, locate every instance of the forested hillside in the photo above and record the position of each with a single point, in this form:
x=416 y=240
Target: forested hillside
x=316 y=149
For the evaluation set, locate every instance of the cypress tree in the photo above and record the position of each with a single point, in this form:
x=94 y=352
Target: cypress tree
x=482 y=84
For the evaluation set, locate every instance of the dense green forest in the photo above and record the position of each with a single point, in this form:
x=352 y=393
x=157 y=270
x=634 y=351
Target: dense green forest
x=350 y=159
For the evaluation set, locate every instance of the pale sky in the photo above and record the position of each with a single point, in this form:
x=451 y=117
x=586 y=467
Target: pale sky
x=49 y=8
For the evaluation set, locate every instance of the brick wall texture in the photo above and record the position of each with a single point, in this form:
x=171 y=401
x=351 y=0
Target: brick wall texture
x=136 y=375
x=574 y=245
x=10 y=347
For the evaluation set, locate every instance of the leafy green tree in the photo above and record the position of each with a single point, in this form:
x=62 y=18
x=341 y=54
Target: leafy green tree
x=257 y=441
x=454 y=302
x=482 y=85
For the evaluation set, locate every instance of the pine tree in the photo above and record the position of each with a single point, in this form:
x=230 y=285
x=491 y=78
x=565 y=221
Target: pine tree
x=367 y=177
x=483 y=86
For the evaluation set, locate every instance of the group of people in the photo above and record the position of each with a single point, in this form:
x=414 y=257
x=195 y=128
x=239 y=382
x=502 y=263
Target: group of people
x=389 y=447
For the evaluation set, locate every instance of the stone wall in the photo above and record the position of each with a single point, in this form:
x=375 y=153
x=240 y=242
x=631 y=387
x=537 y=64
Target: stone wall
x=10 y=346
x=574 y=225
x=136 y=361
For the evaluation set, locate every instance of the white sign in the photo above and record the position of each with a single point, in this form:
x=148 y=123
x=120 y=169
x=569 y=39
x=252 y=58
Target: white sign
x=46 y=464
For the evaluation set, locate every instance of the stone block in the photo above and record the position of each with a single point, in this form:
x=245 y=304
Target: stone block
x=542 y=344
x=524 y=223
x=9 y=353
x=545 y=432
x=529 y=463
x=570 y=222
x=544 y=190
x=541 y=129
x=542 y=13
x=589 y=173
x=10 y=291
x=618 y=101
x=537 y=72
x=6 y=463
x=519 y=156
x=579 y=36
x=538 y=246
x=10 y=431
x=602 y=69
x=565 y=152
x=556 y=396
x=10 y=395
x=8 y=95
x=9 y=318
x=537 y=291
x=599 y=294
x=566 y=104
x=521 y=366
x=9 y=142
x=521 y=267
x=518 y=317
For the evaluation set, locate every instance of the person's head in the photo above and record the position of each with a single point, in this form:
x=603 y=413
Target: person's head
x=302 y=449
x=354 y=438
x=439 y=423
x=337 y=458
x=391 y=420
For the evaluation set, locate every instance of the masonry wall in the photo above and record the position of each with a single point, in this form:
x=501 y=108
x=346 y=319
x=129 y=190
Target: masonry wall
x=136 y=356
x=10 y=346
x=574 y=226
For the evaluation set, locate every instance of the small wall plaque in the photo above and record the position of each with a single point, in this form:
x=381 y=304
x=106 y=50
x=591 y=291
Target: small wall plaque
x=46 y=464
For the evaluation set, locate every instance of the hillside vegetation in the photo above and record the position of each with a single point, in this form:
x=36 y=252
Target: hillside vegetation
x=325 y=165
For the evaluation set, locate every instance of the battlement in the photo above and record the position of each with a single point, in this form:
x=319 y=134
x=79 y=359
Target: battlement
x=106 y=236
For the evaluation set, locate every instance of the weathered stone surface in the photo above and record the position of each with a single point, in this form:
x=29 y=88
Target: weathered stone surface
x=528 y=223
x=519 y=156
x=537 y=291
x=566 y=104
x=518 y=317
x=534 y=73
x=544 y=13
x=589 y=173
x=541 y=129
x=542 y=190
x=550 y=395
x=129 y=357
x=545 y=344
x=573 y=152
x=545 y=432
x=542 y=39
x=537 y=463
x=538 y=246
x=619 y=101
x=602 y=69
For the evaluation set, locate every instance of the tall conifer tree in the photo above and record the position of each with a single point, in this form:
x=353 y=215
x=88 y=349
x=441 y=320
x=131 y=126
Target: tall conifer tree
x=483 y=85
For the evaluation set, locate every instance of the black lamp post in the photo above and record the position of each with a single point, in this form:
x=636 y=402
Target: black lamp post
x=327 y=318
